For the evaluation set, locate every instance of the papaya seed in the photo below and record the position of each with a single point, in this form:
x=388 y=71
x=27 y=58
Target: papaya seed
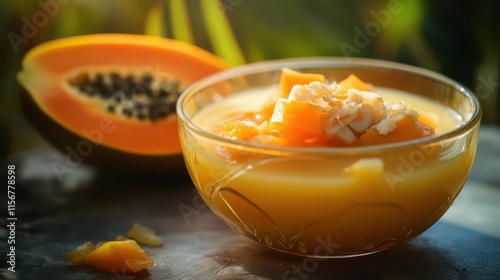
x=111 y=108
x=127 y=111
x=133 y=95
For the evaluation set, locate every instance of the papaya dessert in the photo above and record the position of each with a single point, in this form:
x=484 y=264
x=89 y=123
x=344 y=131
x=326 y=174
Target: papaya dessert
x=109 y=99
x=321 y=157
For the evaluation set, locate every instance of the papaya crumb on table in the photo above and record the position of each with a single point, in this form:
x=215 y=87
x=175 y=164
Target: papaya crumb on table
x=144 y=235
x=125 y=256
x=120 y=254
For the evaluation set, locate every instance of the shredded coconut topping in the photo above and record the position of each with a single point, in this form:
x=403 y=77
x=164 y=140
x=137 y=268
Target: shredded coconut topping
x=346 y=115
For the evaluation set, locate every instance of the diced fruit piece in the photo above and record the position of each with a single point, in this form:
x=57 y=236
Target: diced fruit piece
x=423 y=129
x=295 y=119
x=119 y=256
x=290 y=77
x=406 y=129
x=243 y=130
x=352 y=81
x=76 y=256
x=144 y=235
x=429 y=119
x=371 y=137
x=240 y=130
x=265 y=112
x=365 y=168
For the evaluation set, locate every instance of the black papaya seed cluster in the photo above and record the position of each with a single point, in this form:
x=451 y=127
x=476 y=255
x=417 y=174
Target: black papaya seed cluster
x=136 y=96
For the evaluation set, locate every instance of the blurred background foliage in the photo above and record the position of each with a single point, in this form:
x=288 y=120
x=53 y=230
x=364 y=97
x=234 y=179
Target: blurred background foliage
x=458 y=38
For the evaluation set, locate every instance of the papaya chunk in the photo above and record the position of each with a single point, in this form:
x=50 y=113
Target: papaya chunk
x=265 y=112
x=352 y=81
x=297 y=120
x=119 y=256
x=241 y=130
x=407 y=129
x=290 y=77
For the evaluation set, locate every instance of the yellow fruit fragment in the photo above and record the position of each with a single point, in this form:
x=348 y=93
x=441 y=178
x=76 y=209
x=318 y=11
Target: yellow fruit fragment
x=76 y=256
x=365 y=168
x=119 y=256
x=144 y=235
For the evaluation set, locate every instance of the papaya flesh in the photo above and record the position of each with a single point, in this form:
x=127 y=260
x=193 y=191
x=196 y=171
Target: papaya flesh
x=115 y=91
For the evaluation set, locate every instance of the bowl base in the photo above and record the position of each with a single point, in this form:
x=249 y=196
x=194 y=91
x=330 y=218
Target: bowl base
x=332 y=256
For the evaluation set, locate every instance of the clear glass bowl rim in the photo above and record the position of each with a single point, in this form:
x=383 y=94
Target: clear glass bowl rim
x=325 y=62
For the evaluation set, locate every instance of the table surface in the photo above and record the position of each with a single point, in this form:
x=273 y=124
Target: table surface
x=55 y=216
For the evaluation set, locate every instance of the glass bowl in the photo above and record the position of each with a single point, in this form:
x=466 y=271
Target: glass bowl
x=330 y=202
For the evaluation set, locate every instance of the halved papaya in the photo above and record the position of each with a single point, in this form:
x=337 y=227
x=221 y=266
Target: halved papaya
x=116 y=91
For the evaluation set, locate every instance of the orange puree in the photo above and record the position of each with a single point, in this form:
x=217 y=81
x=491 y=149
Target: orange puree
x=310 y=112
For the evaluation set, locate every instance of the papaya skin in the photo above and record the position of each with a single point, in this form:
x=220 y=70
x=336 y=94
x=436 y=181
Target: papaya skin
x=44 y=77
